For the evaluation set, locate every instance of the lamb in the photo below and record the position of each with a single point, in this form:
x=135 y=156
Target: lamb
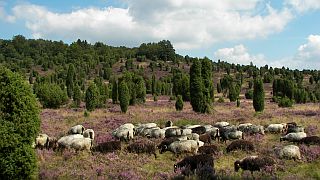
x=185 y=146
x=78 y=129
x=106 y=147
x=209 y=149
x=206 y=138
x=276 y=128
x=199 y=130
x=89 y=133
x=191 y=163
x=221 y=124
x=253 y=163
x=293 y=137
x=290 y=152
x=42 y=141
x=143 y=147
x=240 y=144
x=310 y=140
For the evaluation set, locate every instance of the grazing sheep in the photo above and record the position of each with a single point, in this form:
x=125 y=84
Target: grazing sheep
x=53 y=143
x=124 y=133
x=243 y=127
x=142 y=147
x=254 y=129
x=186 y=132
x=199 y=130
x=81 y=144
x=290 y=152
x=230 y=135
x=42 y=141
x=173 y=132
x=65 y=141
x=147 y=131
x=190 y=126
x=276 y=128
x=157 y=133
x=192 y=163
x=253 y=163
x=208 y=127
x=294 y=129
x=209 y=149
x=89 y=133
x=221 y=124
x=206 y=138
x=106 y=147
x=310 y=140
x=169 y=124
x=165 y=143
x=185 y=146
x=193 y=136
x=293 y=137
x=240 y=144
x=78 y=129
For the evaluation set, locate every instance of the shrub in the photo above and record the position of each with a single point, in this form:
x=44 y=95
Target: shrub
x=86 y=113
x=155 y=98
x=249 y=94
x=285 y=102
x=179 y=103
x=19 y=125
x=258 y=95
x=124 y=96
x=92 y=97
x=51 y=95
x=172 y=98
x=221 y=99
x=238 y=102
x=77 y=96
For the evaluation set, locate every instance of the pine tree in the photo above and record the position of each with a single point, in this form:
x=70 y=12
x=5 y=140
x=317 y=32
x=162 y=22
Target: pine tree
x=153 y=84
x=114 y=91
x=196 y=87
x=71 y=77
x=124 y=96
x=258 y=95
x=19 y=126
x=77 y=96
x=92 y=97
x=179 y=103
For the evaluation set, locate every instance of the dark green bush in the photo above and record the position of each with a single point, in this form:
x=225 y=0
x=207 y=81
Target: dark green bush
x=51 y=95
x=258 y=95
x=179 y=103
x=124 y=96
x=285 y=102
x=92 y=97
x=249 y=94
x=221 y=99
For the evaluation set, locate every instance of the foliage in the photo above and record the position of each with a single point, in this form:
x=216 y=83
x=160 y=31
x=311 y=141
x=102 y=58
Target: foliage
x=114 y=91
x=77 y=96
x=71 y=78
x=19 y=125
x=124 y=96
x=238 y=102
x=179 y=103
x=221 y=99
x=196 y=87
x=258 y=95
x=285 y=102
x=162 y=50
x=249 y=94
x=92 y=97
x=51 y=95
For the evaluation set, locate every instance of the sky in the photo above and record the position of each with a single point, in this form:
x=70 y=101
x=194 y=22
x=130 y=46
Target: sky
x=274 y=32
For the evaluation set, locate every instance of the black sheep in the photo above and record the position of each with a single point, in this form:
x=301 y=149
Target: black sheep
x=206 y=138
x=168 y=124
x=310 y=140
x=211 y=149
x=253 y=163
x=106 y=147
x=199 y=130
x=240 y=144
x=191 y=163
x=142 y=147
x=165 y=143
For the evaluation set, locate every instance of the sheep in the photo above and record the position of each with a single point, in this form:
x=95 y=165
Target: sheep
x=240 y=144
x=209 y=149
x=89 y=133
x=140 y=128
x=106 y=147
x=242 y=127
x=193 y=136
x=293 y=137
x=254 y=129
x=81 y=144
x=290 y=152
x=310 y=140
x=185 y=146
x=192 y=163
x=78 y=129
x=53 y=143
x=206 y=138
x=199 y=130
x=142 y=147
x=157 y=133
x=221 y=124
x=186 y=132
x=65 y=141
x=190 y=126
x=42 y=141
x=253 y=163
x=165 y=143
x=172 y=132
x=147 y=131
x=169 y=124
x=123 y=134
x=229 y=135
x=276 y=128
x=294 y=129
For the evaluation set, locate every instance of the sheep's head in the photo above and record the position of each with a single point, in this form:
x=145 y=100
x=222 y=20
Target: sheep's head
x=236 y=166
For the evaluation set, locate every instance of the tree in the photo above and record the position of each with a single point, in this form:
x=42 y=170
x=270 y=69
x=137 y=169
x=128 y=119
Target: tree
x=258 y=95
x=206 y=73
x=196 y=87
x=77 y=96
x=179 y=103
x=114 y=91
x=19 y=126
x=92 y=97
x=124 y=96
x=153 y=84
x=51 y=95
x=71 y=77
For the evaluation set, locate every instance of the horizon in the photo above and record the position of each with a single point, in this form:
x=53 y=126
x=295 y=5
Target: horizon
x=258 y=31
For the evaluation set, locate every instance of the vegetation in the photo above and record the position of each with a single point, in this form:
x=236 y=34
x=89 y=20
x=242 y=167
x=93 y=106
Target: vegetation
x=179 y=103
x=19 y=125
x=258 y=95
x=92 y=97
x=124 y=96
x=51 y=95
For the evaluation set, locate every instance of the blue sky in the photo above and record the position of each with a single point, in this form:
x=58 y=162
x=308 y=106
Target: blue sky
x=274 y=32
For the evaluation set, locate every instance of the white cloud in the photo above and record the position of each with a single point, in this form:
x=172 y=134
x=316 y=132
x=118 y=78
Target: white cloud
x=5 y=17
x=239 y=55
x=303 y=5
x=189 y=24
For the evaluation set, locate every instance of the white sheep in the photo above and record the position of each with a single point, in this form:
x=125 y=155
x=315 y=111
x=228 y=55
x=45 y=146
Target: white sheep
x=186 y=132
x=221 y=124
x=242 y=127
x=193 y=136
x=276 y=128
x=89 y=133
x=185 y=146
x=78 y=129
x=81 y=144
x=293 y=137
x=123 y=134
x=42 y=141
x=65 y=141
x=290 y=152
x=171 y=132
x=157 y=133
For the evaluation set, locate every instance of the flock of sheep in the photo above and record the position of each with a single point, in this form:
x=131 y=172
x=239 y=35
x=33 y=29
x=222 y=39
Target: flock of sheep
x=195 y=139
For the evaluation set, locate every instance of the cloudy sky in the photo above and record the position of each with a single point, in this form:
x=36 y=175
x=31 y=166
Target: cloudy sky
x=275 y=32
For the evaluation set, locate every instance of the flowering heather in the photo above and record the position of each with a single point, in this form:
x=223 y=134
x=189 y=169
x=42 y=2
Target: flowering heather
x=310 y=153
x=312 y=130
